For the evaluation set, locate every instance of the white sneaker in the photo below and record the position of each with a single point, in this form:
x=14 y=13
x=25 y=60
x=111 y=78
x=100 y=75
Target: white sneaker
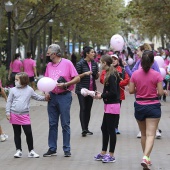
x=18 y=154
x=139 y=135
x=158 y=134
x=32 y=154
x=2 y=138
x=6 y=136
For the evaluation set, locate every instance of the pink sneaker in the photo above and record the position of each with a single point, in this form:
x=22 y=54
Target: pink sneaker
x=145 y=163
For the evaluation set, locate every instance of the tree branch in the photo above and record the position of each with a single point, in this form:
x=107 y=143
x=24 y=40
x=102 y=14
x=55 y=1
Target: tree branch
x=165 y=2
x=41 y=18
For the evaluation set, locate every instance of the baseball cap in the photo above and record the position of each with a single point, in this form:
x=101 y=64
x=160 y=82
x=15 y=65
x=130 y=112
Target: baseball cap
x=114 y=55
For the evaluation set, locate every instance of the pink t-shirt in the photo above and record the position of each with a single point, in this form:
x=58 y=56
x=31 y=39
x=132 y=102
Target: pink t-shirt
x=16 y=66
x=29 y=65
x=65 y=69
x=112 y=108
x=91 y=79
x=166 y=62
x=146 y=85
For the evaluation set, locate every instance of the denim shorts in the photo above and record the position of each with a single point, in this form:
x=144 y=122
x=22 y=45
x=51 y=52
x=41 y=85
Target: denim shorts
x=147 y=111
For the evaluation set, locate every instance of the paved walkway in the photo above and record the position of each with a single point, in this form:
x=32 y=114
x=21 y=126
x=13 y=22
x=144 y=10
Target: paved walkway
x=128 y=151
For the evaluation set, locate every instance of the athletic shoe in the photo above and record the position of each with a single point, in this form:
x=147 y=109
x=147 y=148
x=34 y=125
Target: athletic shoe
x=117 y=131
x=108 y=159
x=99 y=157
x=67 y=154
x=18 y=154
x=84 y=133
x=139 y=135
x=2 y=138
x=89 y=133
x=50 y=153
x=6 y=136
x=158 y=134
x=32 y=154
x=149 y=161
x=145 y=163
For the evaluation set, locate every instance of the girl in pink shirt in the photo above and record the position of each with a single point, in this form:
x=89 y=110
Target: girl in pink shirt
x=146 y=83
x=16 y=66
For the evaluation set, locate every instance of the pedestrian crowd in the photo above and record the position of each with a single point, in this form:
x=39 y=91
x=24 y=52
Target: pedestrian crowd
x=143 y=77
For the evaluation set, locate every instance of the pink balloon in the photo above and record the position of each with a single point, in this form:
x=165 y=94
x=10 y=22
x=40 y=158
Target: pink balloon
x=163 y=72
x=46 y=84
x=159 y=60
x=130 y=61
x=117 y=42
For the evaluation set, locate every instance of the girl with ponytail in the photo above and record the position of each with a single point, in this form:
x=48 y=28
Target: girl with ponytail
x=146 y=83
x=111 y=99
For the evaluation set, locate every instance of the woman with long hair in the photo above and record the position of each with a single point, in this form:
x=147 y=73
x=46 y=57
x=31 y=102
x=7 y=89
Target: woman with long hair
x=88 y=71
x=111 y=99
x=140 y=51
x=146 y=83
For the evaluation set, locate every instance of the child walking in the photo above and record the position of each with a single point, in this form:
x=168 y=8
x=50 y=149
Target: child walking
x=111 y=98
x=17 y=112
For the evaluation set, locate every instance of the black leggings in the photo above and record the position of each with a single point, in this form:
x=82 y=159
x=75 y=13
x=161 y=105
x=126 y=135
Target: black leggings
x=108 y=131
x=85 y=110
x=17 y=136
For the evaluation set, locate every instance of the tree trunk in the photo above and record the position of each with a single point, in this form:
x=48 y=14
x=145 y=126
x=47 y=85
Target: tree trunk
x=162 y=41
x=80 y=45
x=98 y=47
x=44 y=46
x=74 y=42
x=14 y=43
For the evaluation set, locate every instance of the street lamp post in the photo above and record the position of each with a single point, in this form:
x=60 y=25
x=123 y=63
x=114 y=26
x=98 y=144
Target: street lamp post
x=50 y=22
x=9 y=8
x=61 y=37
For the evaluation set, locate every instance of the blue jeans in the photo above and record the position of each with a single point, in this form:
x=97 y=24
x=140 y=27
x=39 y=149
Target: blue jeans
x=59 y=106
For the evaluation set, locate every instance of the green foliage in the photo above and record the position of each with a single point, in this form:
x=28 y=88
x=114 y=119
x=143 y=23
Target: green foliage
x=87 y=20
x=3 y=75
x=150 y=17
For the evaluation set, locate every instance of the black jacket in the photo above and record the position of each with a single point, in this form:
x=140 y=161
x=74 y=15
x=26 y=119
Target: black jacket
x=111 y=91
x=81 y=67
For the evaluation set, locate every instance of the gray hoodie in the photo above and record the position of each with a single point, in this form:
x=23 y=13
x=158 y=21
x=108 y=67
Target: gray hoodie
x=18 y=101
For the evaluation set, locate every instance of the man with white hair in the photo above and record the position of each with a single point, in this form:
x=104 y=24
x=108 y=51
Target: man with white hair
x=63 y=71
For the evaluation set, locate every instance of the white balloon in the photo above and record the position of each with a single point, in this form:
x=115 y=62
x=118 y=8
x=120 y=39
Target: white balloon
x=46 y=84
x=159 y=60
x=117 y=42
x=130 y=61
x=163 y=72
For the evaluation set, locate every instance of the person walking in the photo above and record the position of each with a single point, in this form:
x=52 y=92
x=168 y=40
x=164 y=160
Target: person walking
x=17 y=112
x=124 y=82
x=140 y=50
x=16 y=66
x=63 y=71
x=88 y=71
x=30 y=68
x=111 y=99
x=146 y=83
